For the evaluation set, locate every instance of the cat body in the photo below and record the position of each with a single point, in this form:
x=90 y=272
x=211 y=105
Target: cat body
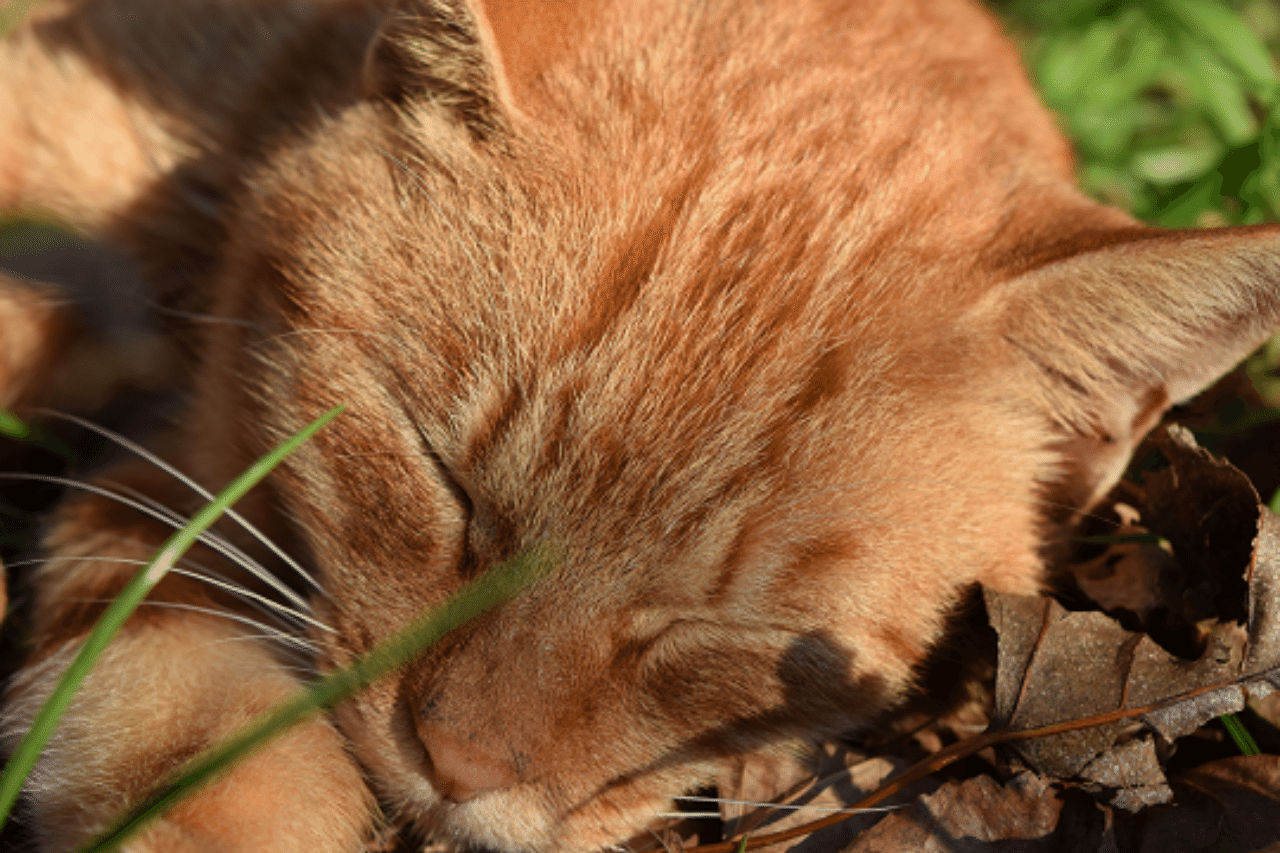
x=780 y=324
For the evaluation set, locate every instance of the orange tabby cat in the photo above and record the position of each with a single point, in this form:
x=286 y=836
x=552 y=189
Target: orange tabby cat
x=783 y=320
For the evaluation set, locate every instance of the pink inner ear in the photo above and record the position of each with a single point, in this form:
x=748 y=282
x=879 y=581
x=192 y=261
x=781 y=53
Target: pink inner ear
x=529 y=36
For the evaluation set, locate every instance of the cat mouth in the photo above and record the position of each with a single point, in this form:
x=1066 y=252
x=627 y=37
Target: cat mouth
x=604 y=820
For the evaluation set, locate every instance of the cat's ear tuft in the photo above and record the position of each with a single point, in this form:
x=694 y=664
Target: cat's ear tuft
x=481 y=60
x=434 y=51
x=1109 y=338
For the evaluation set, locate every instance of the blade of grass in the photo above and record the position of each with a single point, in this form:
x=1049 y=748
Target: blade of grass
x=1244 y=741
x=16 y=428
x=32 y=744
x=13 y=426
x=488 y=591
x=12 y=13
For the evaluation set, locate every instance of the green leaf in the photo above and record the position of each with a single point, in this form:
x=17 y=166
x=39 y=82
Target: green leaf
x=1268 y=173
x=1114 y=185
x=1056 y=13
x=12 y=13
x=1070 y=59
x=1186 y=209
x=1145 y=52
x=1219 y=92
x=1219 y=26
x=1176 y=164
x=25 y=234
x=1102 y=130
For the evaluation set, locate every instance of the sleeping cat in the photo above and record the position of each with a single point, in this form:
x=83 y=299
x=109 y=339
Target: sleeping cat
x=781 y=320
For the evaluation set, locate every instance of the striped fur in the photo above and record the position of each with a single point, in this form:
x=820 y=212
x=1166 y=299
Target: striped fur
x=783 y=322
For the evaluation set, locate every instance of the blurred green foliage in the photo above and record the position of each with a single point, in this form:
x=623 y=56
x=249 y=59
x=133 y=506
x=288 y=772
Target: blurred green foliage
x=1174 y=105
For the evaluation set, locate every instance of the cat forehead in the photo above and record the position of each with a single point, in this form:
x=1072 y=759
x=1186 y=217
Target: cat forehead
x=767 y=155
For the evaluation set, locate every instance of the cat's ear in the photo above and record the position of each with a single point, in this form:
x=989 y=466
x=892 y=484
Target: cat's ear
x=479 y=59
x=1111 y=336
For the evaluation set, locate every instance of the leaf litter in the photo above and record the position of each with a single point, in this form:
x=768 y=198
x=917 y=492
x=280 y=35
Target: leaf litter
x=1089 y=709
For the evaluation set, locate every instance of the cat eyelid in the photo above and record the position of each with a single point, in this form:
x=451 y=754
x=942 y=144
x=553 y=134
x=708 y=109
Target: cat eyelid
x=691 y=633
x=454 y=484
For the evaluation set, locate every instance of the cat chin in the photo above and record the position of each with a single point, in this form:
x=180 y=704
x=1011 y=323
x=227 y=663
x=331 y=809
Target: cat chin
x=576 y=810
x=516 y=821
x=537 y=817
x=569 y=813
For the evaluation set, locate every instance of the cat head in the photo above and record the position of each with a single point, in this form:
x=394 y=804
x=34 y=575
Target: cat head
x=778 y=325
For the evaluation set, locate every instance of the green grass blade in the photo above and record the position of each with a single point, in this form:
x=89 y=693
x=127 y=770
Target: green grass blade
x=13 y=426
x=32 y=744
x=1244 y=741
x=12 y=13
x=495 y=587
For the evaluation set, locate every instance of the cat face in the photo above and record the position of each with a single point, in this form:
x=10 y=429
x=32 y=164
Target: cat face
x=778 y=326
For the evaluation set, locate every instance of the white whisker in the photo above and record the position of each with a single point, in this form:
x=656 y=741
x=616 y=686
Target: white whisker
x=781 y=806
x=688 y=815
x=196 y=317
x=266 y=631
x=209 y=538
x=275 y=608
x=195 y=571
x=177 y=474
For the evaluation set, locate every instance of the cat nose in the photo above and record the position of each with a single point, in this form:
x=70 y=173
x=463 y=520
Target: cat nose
x=462 y=769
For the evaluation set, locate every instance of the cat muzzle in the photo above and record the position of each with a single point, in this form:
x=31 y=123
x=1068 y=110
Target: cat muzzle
x=461 y=769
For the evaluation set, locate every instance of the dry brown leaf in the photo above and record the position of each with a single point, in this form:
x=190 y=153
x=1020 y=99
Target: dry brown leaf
x=841 y=779
x=1129 y=577
x=1267 y=707
x=1227 y=805
x=1027 y=815
x=1055 y=666
x=1208 y=509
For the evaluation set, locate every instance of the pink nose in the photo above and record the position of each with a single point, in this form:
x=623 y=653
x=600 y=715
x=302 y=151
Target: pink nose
x=462 y=770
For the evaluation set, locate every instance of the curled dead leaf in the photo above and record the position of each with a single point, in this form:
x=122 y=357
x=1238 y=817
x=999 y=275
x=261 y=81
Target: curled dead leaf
x=1028 y=814
x=1056 y=667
